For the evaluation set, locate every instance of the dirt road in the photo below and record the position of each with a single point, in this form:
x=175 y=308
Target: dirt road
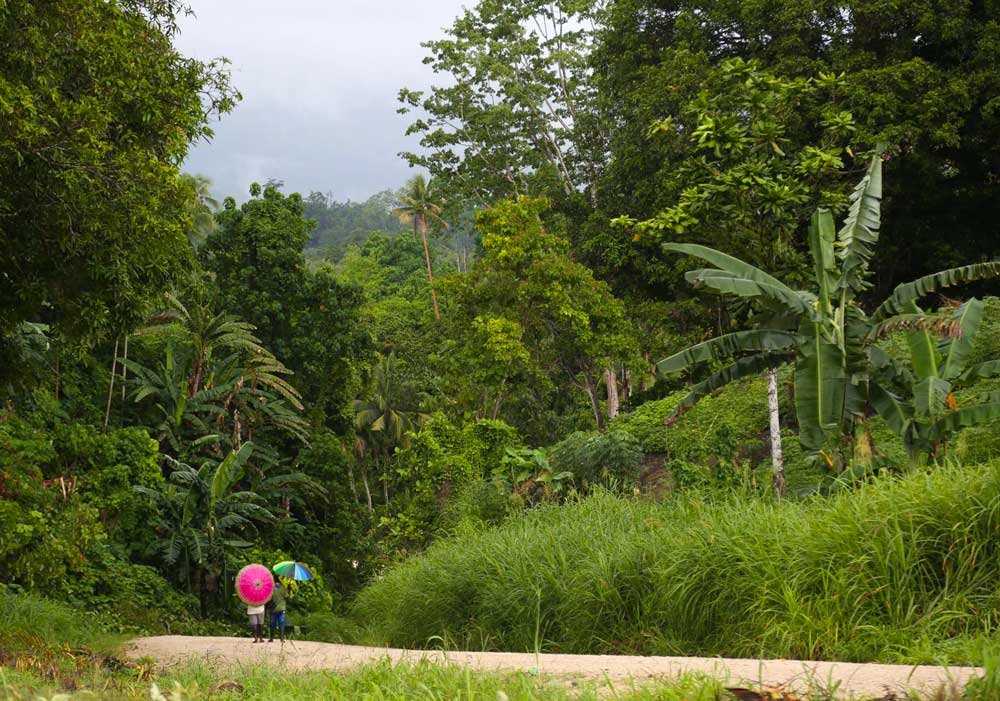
x=854 y=679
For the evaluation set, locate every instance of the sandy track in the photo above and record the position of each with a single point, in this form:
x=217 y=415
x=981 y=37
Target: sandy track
x=853 y=679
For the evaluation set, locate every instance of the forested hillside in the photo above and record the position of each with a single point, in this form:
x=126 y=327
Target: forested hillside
x=720 y=272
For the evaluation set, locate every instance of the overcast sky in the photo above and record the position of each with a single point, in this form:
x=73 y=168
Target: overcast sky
x=319 y=80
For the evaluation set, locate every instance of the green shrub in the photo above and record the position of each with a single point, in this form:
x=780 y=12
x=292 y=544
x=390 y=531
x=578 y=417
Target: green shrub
x=477 y=504
x=901 y=569
x=723 y=426
x=598 y=458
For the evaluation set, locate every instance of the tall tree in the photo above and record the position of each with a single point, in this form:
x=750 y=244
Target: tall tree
x=383 y=419
x=529 y=320
x=918 y=76
x=419 y=205
x=516 y=114
x=306 y=318
x=97 y=112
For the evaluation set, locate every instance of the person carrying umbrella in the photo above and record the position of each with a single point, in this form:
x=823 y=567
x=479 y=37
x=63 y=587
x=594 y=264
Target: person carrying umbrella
x=278 y=606
x=289 y=569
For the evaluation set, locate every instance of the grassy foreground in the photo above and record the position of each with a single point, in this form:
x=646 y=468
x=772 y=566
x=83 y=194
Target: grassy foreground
x=49 y=652
x=901 y=570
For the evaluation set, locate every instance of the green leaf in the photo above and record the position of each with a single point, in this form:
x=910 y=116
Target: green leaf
x=820 y=378
x=727 y=263
x=990 y=368
x=727 y=283
x=896 y=413
x=930 y=395
x=913 y=291
x=858 y=236
x=821 y=236
x=230 y=470
x=923 y=348
x=964 y=418
x=727 y=346
x=955 y=350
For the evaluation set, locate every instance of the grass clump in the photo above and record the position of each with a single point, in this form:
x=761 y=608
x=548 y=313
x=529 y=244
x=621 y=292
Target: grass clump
x=900 y=570
x=382 y=681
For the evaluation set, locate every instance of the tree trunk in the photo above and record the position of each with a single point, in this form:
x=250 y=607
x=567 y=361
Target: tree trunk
x=777 y=461
x=354 y=487
x=385 y=480
x=595 y=403
x=124 y=367
x=111 y=386
x=430 y=273
x=368 y=491
x=611 y=380
x=203 y=592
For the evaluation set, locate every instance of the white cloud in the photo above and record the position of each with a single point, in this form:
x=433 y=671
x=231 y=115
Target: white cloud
x=319 y=81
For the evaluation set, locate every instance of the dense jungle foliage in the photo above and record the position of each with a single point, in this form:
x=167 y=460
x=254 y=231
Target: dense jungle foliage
x=487 y=406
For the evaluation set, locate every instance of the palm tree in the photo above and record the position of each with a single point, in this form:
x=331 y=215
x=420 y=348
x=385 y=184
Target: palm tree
x=203 y=517
x=202 y=207
x=383 y=420
x=419 y=205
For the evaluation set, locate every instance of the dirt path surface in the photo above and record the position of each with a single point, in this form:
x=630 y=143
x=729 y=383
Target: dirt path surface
x=853 y=679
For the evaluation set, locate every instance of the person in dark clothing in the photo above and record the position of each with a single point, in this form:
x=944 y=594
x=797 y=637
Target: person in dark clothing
x=278 y=605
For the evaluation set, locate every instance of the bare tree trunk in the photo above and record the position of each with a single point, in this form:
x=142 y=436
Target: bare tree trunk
x=777 y=461
x=430 y=273
x=124 y=367
x=354 y=487
x=611 y=380
x=385 y=480
x=111 y=386
x=368 y=491
x=595 y=404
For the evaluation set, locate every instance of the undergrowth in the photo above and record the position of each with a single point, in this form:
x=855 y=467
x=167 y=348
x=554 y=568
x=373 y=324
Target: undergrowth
x=898 y=570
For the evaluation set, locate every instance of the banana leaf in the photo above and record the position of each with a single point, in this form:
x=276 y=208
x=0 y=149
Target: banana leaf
x=727 y=346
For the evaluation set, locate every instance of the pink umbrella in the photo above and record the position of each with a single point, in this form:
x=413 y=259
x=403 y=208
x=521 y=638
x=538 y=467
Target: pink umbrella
x=254 y=584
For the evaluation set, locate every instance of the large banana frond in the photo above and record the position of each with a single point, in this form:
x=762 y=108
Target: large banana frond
x=990 y=368
x=821 y=237
x=923 y=348
x=725 y=262
x=744 y=367
x=727 y=346
x=896 y=413
x=913 y=291
x=858 y=236
x=930 y=396
x=728 y=283
x=230 y=470
x=820 y=391
x=955 y=350
x=963 y=418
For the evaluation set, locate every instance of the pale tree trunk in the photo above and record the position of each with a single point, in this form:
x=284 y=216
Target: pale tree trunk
x=611 y=380
x=124 y=367
x=354 y=487
x=385 y=482
x=368 y=490
x=595 y=403
x=430 y=273
x=777 y=461
x=111 y=386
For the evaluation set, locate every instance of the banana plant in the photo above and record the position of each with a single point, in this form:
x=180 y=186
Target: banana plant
x=918 y=403
x=824 y=332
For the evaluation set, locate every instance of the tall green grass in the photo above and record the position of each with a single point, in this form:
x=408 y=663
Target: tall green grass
x=29 y=622
x=900 y=570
